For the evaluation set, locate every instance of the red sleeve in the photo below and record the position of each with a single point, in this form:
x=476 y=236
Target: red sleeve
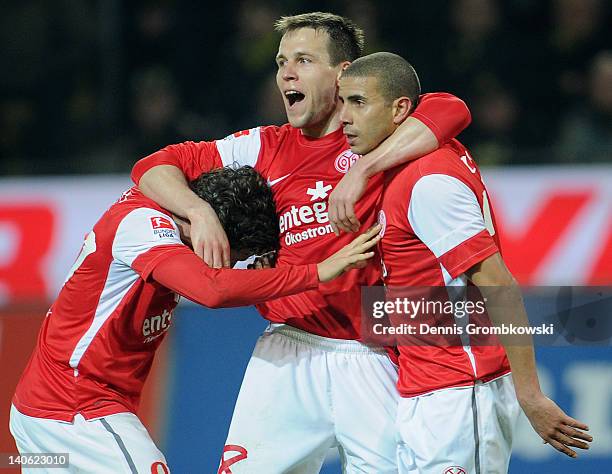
x=468 y=253
x=444 y=114
x=186 y=274
x=191 y=158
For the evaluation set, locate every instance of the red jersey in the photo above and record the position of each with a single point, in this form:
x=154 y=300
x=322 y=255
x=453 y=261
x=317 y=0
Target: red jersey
x=302 y=172
x=438 y=223
x=98 y=340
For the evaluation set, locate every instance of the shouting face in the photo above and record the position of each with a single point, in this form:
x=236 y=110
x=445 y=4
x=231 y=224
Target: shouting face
x=307 y=81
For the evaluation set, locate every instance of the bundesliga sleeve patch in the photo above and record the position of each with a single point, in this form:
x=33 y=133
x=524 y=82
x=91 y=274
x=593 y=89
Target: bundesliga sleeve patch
x=163 y=227
x=140 y=231
x=161 y=223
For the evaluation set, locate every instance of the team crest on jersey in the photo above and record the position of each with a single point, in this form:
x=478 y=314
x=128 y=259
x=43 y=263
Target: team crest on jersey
x=163 y=227
x=382 y=220
x=345 y=160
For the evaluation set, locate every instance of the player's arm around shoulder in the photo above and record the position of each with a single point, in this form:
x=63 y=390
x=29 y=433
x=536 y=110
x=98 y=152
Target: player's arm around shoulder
x=437 y=119
x=164 y=175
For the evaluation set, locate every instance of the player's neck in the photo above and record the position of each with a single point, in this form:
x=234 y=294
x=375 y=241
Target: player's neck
x=325 y=127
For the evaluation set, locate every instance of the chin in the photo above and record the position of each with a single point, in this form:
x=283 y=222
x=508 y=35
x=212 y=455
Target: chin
x=360 y=150
x=296 y=122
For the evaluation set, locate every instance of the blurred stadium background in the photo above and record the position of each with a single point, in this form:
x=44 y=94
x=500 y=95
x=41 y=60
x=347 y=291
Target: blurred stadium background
x=88 y=87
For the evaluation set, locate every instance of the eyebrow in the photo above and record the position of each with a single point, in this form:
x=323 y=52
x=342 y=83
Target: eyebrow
x=356 y=97
x=297 y=54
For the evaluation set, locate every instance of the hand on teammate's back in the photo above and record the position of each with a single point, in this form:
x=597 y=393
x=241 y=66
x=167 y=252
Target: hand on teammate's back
x=208 y=238
x=353 y=255
x=342 y=201
x=554 y=426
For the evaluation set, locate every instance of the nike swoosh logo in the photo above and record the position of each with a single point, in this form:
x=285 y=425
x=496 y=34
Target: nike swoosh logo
x=277 y=180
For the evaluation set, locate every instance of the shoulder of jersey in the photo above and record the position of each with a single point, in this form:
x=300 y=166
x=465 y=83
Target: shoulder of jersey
x=277 y=133
x=270 y=134
x=444 y=160
x=132 y=199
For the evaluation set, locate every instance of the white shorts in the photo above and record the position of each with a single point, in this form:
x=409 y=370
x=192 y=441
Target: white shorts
x=304 y=394
x=464 y=430
x=115 y=443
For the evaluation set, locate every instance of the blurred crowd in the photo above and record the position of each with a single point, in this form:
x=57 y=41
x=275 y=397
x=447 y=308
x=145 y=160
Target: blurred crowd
x=91 y=86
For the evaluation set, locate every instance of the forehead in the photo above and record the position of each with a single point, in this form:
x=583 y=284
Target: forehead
x=304 y=40
x=365 y=86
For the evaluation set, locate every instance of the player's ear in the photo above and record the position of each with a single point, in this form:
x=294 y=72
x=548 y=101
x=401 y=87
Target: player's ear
x=401 y=109
x=343 y=66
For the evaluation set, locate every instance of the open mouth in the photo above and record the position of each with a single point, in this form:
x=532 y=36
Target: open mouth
x=293 y=97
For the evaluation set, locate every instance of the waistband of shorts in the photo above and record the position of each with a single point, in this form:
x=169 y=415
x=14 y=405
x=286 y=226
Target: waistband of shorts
x=325 y=343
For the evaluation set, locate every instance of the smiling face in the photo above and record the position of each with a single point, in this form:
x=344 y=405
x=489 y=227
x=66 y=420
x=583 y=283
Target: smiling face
x=366 y=116
x=307 y=81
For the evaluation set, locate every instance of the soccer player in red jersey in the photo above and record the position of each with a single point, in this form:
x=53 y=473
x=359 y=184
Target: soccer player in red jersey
x=81 y=389
x=459 y=402
x=310 y=384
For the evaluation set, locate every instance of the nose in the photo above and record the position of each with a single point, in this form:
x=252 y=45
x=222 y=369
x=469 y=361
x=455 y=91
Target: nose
x=288 y=72
x=345 y=116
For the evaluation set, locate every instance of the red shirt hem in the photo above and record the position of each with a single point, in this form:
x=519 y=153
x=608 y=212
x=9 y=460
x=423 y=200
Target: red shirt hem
x=462 y=384
x=112 y=408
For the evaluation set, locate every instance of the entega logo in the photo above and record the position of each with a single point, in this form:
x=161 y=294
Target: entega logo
x=155 y=326
x=308 y=214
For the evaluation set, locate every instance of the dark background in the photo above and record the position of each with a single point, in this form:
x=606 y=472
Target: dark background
x=91 y=86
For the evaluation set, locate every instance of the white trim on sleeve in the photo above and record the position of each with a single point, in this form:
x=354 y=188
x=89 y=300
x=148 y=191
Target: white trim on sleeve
x=242 y=149
x=444 y=212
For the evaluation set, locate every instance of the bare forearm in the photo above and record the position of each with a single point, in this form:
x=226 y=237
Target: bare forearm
x=167 y=186
x=505 y=307
x=410 y=141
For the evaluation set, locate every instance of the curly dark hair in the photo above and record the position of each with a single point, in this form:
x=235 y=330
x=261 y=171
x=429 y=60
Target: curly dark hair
x=245 y=206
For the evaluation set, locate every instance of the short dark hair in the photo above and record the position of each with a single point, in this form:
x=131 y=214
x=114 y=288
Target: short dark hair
x=396 y=76
x=346 y=39
x=245 y=206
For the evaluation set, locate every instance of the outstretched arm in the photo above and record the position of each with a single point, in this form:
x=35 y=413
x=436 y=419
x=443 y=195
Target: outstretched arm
x=186 y=274
x=179 y=269
x=505 y=306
